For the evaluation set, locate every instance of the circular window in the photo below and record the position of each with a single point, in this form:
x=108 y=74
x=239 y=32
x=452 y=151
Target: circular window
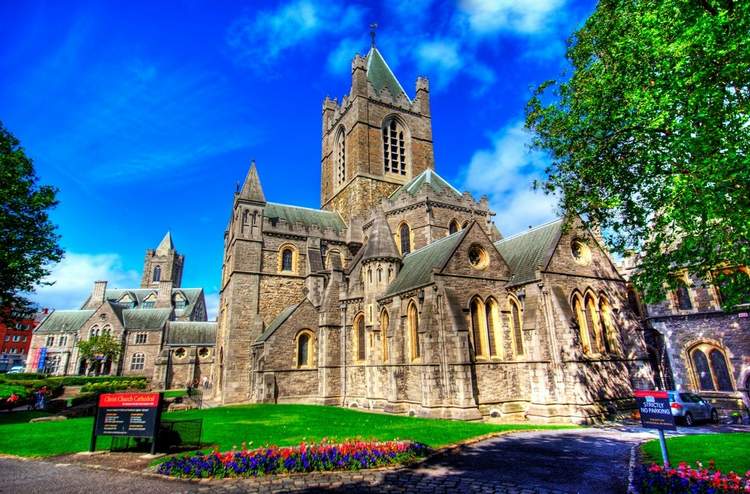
x=478 y=257
x=203 y=352
x=581 y=252
x=180 y=353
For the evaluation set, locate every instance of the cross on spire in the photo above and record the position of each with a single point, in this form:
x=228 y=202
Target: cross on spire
x=373 y=28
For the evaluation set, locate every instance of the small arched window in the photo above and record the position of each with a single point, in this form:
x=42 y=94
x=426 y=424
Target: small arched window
x=516 y=325
x=412 y=317
x=404 y=233
x=384 y=321
x=304 y=349
x=137 y=361
x=359 y=332
x=287 y=255
x=594 y=325
x=682 y=294
x=94 y=331
x=340 y=157
x=394 y=147
x=157 y=273
x=453 y=227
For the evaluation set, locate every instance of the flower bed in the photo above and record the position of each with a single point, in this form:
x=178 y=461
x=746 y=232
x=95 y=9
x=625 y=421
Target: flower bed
x=685 y=479
x=351 y=455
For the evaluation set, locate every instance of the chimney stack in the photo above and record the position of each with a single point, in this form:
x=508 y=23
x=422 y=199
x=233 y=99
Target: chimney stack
x=98 y=295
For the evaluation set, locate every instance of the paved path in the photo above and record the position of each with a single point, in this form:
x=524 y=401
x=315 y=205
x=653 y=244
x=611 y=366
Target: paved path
x=583 y=461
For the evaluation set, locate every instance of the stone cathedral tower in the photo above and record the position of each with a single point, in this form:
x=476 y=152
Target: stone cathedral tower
x=375 y=140
x=162 y=264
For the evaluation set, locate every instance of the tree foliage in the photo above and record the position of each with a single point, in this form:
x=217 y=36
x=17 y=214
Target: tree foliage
x=99 y=348
x=29 y=240
x=649 y=136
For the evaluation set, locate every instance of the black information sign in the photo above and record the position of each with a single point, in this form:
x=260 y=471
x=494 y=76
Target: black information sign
x=128 y=415
x=655 y=409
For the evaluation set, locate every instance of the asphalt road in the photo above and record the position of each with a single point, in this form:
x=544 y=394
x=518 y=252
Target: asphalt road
x=582 y=461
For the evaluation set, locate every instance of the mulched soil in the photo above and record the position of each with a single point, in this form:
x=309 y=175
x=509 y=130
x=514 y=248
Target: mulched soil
x=125 y=461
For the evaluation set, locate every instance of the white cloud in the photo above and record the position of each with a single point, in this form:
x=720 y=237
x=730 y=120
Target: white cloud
x=261 y=38
x=525 y=17
x=445 y=58
x=505 y=173
x=74 y=278
x=212 y=305
x=340 y=58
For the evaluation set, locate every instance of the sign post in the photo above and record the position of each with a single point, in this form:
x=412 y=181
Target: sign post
x=128 y=415
x=656 y=413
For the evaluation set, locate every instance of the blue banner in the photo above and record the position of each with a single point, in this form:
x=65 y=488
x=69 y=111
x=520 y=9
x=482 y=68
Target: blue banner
x=42 y=358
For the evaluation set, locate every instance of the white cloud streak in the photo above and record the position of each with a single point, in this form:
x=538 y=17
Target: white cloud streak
x=487 y=17
x=505 y=173
x=74 y=278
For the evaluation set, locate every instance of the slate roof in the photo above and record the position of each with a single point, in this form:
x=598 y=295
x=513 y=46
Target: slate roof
x=278 y=321
x=428 y=178
x=113 y=295
x=418 y=265
x=526 y=251
x=64 y=321
x=191 y=333
x=145 y=318
x=306 y=216
x=380 y=244
x=381 y=76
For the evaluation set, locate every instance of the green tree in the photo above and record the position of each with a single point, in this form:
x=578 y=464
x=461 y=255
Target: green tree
x=29 y=240
x=99 y=349
x=649 y=136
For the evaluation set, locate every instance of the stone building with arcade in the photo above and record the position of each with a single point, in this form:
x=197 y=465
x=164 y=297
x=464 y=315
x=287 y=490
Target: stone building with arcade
x=400 y=294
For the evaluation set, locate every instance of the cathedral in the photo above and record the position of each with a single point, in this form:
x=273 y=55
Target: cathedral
x=401 y=295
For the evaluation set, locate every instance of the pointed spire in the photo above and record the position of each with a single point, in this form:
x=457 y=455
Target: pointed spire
x=252 y=190
x=380 y=75
x=165 y=245
x=380 y=244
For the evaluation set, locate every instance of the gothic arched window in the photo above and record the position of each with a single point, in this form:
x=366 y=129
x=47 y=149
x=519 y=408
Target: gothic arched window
x=453 y=227
x=682 y=294
x=157 y=273
x=493 y=326
x=594 y=325
x=394 y=147
x=359 y=333
x=609 y=328
x=340 y=156
x=710 y=368
x=583 y=328
x=478 y=327
x=413 y=325
x=516 y=325
x=404 y=233
x=384 y=321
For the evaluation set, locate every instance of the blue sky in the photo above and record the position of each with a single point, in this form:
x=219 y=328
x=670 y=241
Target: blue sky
x=146 y=114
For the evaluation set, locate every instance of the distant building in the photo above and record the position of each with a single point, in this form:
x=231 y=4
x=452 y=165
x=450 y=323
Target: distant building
x=694 y=344
x=15 y=338
x=162 y=327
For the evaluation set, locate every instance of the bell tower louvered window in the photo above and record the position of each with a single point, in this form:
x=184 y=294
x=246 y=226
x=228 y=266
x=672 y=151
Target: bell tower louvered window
x=394 y=147
x=340 y=157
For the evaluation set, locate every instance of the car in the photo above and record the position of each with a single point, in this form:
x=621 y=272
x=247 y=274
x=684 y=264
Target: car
x=16 y=369
x=689 y=408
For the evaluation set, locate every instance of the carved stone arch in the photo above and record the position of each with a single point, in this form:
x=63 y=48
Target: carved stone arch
x=305 y=345
x=718 y=375
x=359 y=348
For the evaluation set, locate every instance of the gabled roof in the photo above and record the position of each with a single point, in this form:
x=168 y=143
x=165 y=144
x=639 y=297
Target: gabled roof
x=428 y=178
x=191 y=333
x=306 y=216
x=64 y=321
x=418 y=265
x=381 y=76
x=277 y=322
x=145 y=318
x=529 y=251
x=165 y=245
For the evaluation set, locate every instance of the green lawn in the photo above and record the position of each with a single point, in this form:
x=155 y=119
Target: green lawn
x=258 y=425
x=730 y=451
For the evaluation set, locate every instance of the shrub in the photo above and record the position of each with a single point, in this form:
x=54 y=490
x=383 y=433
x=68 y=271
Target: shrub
x=8 y=389
x=684 y=479
x=351 y=455
x=112 y=386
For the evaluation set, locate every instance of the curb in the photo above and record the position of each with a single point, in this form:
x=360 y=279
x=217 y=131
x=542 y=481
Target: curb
x=632 y=488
